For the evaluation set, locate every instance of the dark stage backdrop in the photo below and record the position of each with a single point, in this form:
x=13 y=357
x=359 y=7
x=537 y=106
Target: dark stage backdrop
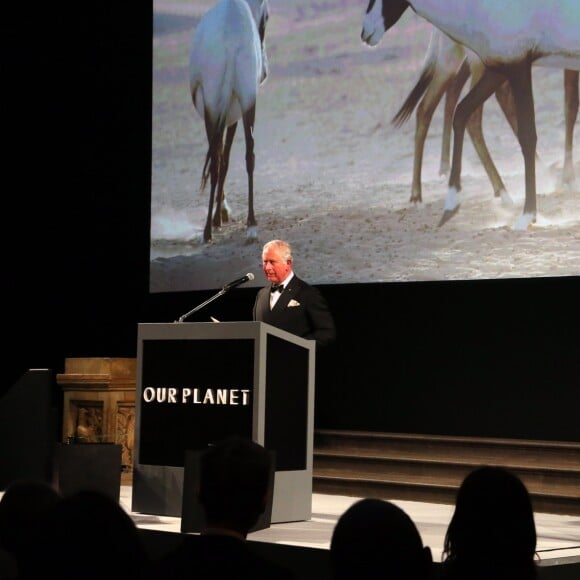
x=487 y=358
x=497 y=358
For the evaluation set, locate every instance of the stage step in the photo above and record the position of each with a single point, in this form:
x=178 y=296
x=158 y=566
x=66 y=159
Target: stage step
x=431 y=468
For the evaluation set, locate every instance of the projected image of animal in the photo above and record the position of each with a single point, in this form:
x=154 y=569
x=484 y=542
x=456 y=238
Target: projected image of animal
x=508 y=38
x=227 y=64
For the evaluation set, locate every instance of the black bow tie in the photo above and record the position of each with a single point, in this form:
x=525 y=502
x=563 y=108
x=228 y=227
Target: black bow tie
x=277 y=288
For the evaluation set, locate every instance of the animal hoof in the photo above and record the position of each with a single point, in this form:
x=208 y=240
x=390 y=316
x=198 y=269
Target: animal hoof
x=506 y=199
x=451 y=200
x=448 y=214
x=226 y=211
x=525 y=222
x=251 y=235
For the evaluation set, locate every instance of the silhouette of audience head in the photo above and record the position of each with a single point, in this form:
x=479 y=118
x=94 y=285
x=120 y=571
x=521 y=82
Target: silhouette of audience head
x=492 y=533
x=234 y=484
x=375 y=538
x=91 y=536
x=24 y=508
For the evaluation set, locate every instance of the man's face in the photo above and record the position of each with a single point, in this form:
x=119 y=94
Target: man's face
x=275 y=268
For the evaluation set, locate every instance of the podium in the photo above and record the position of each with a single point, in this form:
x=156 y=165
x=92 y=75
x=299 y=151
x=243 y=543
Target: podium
x=200 y=382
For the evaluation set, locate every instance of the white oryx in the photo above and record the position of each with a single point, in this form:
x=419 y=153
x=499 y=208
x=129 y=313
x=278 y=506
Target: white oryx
x=227 y=64
x=508 y=37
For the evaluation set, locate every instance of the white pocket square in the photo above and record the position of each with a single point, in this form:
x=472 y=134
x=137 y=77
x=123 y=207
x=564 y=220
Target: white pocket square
x=293 y=303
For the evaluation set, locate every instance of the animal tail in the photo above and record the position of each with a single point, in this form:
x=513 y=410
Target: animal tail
x=415 y=95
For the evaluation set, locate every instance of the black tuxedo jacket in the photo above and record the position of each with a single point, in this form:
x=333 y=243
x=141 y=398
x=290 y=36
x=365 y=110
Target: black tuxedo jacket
x=301 y=310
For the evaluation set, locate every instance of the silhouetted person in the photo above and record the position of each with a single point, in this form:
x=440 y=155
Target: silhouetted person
x=376 y=539
x=233 y=493
x=24 y=508
x=492 y=533
x=91 y=537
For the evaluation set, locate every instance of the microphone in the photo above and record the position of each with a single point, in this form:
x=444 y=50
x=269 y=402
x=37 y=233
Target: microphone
x=249 y=276
x=246 y=278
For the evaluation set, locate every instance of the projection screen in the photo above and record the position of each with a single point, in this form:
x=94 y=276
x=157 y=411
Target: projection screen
x=334 y=174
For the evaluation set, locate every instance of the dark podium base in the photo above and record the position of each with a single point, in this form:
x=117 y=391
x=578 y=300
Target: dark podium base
x=88 y=466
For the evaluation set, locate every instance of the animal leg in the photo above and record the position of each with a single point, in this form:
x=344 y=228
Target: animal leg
x=248 y=120
x=213 y=162
x=474 y=128
x=451 y=100
x=214 y=173
x=520 y=78
x=222 y=209
x=424 y=115
x=570 y=114
x=417 y=92
x=505 y=99
x=482 y=90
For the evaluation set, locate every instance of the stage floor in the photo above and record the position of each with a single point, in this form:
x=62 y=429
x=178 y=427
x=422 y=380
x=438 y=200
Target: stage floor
x=558 y=535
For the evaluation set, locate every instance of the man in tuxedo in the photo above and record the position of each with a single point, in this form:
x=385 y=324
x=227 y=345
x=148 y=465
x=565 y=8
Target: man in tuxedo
x=290 y=303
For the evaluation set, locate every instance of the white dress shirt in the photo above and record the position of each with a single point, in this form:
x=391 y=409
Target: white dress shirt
x=274 y=296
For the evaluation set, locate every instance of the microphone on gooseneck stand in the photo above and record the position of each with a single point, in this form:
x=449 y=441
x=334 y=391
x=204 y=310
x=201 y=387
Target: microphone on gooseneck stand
x=249 y=276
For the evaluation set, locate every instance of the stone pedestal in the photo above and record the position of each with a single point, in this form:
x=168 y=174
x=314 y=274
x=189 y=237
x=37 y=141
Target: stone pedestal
x=99 y=402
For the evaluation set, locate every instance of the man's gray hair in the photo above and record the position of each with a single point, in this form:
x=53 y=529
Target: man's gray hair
x=283 y=247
